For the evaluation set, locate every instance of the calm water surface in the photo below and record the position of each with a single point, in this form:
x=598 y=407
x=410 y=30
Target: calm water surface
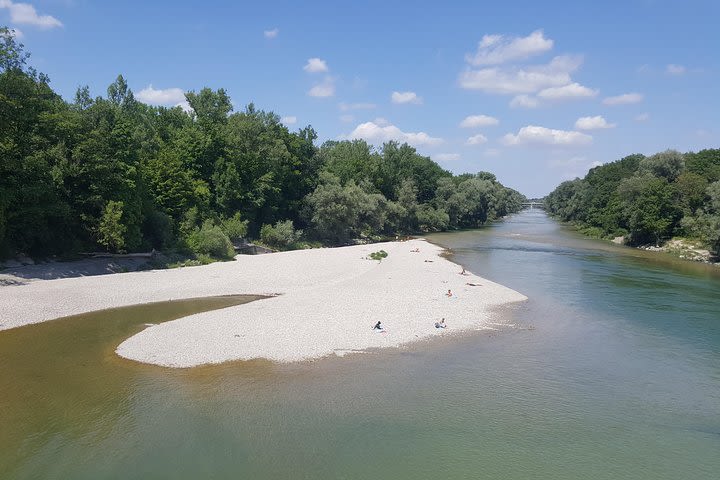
x=610 y=370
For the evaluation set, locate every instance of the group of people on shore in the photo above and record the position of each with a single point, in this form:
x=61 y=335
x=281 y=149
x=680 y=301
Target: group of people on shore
x=380 y=328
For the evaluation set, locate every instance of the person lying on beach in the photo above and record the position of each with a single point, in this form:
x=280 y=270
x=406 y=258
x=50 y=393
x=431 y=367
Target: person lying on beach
x=417 y=250
x=378 y=326
x=440 y=324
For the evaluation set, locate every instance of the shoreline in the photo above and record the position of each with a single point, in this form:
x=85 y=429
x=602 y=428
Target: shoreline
x=322 y=302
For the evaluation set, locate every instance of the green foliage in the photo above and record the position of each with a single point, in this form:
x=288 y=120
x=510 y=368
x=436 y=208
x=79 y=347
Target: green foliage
x=211 y=240
x=115 y=173
x=668 y=165
x=648 y=199
x=235 y=227
x=339 y=213
x=280 y=236
x=111 y=231
x=158 y=230
x=379 y=255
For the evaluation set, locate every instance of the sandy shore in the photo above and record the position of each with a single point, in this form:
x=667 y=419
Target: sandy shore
x=327 y=301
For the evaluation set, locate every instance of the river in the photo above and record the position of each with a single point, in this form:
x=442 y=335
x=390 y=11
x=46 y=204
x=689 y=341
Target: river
x=610 y=370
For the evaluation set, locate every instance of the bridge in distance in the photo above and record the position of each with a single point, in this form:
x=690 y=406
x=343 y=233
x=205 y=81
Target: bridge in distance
x=532 y=205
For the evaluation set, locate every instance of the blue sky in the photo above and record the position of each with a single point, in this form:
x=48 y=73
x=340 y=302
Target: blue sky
x=535 y=92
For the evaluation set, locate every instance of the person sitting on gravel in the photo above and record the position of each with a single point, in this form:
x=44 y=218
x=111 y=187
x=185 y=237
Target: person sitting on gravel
x=449 y=294
x=378 y=326
x=440 y=324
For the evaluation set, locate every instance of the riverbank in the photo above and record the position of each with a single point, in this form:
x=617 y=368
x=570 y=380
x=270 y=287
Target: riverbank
x=324 y=302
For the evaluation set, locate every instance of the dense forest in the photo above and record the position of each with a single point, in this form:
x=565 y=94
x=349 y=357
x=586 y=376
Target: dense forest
x=115 y=174
x=646 y=199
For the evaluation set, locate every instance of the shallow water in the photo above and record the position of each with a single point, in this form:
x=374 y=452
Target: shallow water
x=611 y=369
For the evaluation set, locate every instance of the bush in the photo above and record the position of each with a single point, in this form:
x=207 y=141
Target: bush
x=379 y=255
x=235 y=228
x=281 y=236
x=111 y=231
x=211 y=240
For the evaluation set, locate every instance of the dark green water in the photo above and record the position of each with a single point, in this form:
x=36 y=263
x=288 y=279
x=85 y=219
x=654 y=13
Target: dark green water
x=610 y=370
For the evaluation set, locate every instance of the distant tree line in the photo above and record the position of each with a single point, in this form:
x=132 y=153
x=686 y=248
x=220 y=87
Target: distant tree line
x=116 y=174
x=646 y=199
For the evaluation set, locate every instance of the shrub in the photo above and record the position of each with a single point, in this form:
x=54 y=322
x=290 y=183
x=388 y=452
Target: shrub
x=111 y=231
x=379 y=255
x=280 y=236
x=211 y=240
x=235 y=228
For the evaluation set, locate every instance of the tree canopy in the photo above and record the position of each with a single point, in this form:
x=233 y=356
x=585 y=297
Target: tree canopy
x=113 y=173
x=647 y=199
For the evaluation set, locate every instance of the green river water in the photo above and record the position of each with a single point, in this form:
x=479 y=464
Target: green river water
x=610 y=370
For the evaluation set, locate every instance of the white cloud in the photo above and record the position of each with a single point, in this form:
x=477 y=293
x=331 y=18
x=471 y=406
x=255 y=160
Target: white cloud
x=478 y=139
x=326 y=88
x=673 y=69
x=643 y=117
x=529 y=79
x=185 y=106
x=380 y=131
x=406 y=97
x=447 y=157
x=524 y=101
x=497 y=49
x=315 y=65
x=271 y=33
x=474 y=121
x=289 y=120
x=534 y=135
x=347 y=118
x=356 y=106
x=592 y=123
x=25 y=14
x=572 y=90
x=167 y=96
x=492 y=152
x=624 y=99
x=16 y=33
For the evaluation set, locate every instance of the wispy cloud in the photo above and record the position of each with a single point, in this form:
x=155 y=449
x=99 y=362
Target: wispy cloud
x=315 y=65
x=380 y=131
x=289 y=120
x=624 y=99
x=271 y=33
x=524 y=101
x=326 y=88
x=674 y=69
x=478 y=139
x=497 y=49
x=518 y=80
x=405 y=97
x=566 y=92
x=593 y=123
x=476 y=121
x=534 y=135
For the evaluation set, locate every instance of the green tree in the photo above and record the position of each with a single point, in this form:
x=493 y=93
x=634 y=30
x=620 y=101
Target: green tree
x=111 y=230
